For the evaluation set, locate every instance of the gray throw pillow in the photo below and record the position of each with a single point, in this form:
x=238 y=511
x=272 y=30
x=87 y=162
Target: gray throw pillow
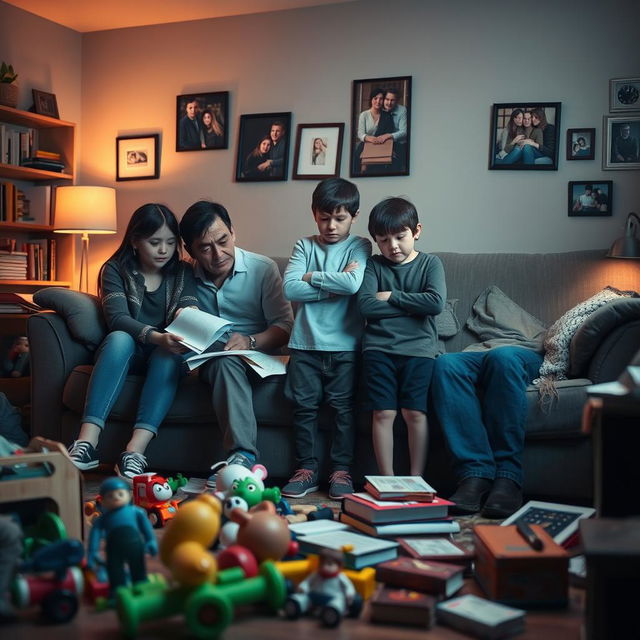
x=81 y=311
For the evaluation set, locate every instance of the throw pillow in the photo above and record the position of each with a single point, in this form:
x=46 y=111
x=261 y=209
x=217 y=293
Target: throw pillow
x=81 y=311
x=498 y=321
x=447 y=324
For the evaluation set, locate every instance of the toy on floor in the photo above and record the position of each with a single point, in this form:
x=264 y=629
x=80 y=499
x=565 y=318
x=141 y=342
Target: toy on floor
x=154 y=494
x=304 y=512
x=178 y=482
x=10 y=550
x=127 y=532
x=229 y=474
x=326 y=592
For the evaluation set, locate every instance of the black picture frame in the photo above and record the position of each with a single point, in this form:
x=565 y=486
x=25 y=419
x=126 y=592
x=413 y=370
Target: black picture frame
x=255 y=160
x=589 y=198
x=191 y=133
x=364 y=124
x=45 y=104
x=504 y=157
x=138 y=157
x=318 y=151
x=581 y=144
x=613 y=131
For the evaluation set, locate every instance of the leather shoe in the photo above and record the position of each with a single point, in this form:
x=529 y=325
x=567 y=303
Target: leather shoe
x=470 y=494
x=505 y=498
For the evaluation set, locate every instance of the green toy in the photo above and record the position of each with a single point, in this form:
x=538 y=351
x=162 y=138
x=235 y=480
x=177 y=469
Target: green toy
x=251 y=492
x=177 y=482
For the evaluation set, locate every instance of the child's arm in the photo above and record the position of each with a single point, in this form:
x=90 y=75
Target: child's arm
x=348 y=281
x=429 y=302
x=368 y=303
x=294 y=287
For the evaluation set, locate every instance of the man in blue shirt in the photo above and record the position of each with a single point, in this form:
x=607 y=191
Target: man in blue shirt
x=244 y=288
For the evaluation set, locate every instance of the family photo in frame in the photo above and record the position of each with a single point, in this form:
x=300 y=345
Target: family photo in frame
x=581 y=144
x=201 y=121
x=590 y=198
x=524 y=136
x=381 y=126
x=263 y=147
x=45 y=103
x=137 y=157
x=621 y=142
x=318 y=151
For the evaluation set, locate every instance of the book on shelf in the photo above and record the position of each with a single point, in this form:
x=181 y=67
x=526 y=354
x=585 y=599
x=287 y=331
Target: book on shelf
x=359 y=551
x=439 y=578
x=481 y=617
x=37 y=205
x=402 y=487
x=393 y=529
x=367 y=508
x=44 y=164
x=47 y=155
x=435 y=548
x=402 y=606
x=18 y=302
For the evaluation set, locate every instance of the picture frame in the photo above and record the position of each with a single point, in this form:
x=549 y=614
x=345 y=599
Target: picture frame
x=380 y=135
x=621 y=142
x=202 y=121
x=45 y=104
x=318 y=151
x=624 y=94
x=581 y=144
x=263 y=147
x=137 y=157
x=588 y=198
x=509 y=121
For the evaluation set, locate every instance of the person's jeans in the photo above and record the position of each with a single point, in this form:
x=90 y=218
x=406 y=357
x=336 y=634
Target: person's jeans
x=118 y=354
x=480 y=400
x=315 y=377
x=531 y=154
x=515 y=155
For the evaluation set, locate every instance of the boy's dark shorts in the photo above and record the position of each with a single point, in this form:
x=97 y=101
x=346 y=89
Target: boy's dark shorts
x=395 y=381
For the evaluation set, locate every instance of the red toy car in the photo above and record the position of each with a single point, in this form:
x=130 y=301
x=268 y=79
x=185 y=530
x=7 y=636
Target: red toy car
x=153 y=493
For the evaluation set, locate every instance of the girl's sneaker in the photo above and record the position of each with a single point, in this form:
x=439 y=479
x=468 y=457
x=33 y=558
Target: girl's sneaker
x=131 y=464
x=84 y=455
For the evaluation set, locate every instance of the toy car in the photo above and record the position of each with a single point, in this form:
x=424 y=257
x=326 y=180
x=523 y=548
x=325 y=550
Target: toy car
x=153 y=493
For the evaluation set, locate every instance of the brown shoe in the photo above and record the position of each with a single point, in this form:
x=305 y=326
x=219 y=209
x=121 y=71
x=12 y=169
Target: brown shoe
x=504 y=499
x=470 y=495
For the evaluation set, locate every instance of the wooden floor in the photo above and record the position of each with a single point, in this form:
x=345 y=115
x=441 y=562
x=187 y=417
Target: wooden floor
x=255 y=624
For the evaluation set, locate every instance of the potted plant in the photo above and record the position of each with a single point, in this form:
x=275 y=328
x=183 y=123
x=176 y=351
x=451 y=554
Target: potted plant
x=8 y=90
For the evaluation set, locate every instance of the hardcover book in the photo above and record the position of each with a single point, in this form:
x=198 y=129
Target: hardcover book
x=359 y=551
x=367 y=508
x=403 y=606
x=434 y=548
x=402 y=487
x=433 y=577
x=481 y=617
x=392 y=529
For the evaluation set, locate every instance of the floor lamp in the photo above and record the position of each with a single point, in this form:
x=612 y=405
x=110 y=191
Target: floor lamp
x=85 y=210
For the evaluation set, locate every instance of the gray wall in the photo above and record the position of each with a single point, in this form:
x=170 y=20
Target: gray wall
x=464 y=55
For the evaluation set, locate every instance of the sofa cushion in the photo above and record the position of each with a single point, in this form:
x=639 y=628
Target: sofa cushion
x=81 y=311
x=447 y=324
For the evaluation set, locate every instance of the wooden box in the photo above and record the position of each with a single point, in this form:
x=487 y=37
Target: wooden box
x=509 y=570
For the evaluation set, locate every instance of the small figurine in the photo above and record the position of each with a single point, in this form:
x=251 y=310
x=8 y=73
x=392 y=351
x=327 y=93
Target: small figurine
x=326 y=591
x=16 y=363
x=127 y=532
x=153 y=493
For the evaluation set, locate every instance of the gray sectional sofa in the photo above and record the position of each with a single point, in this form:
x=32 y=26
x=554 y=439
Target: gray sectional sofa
x=557 y=457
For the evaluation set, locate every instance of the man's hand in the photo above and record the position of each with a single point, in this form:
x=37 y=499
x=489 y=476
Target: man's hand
x=383 y=295
x=237 y=341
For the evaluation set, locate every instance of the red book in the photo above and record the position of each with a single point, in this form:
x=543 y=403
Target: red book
x=433 y=577
x=371 y=510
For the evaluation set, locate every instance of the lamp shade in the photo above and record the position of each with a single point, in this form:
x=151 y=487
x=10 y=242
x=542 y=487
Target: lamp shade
x=85 y=210
x=628 y=246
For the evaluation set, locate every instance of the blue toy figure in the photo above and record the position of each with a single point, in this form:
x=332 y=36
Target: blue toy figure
x=128 y=534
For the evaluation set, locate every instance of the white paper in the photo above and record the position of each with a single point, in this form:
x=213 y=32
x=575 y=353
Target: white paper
x=262 y=363
x=198 y=329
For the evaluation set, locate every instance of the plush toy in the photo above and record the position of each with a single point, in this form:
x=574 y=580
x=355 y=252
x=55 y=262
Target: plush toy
x=228 y=475
x=253 y=492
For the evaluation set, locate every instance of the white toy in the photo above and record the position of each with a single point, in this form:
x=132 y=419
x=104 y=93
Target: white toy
x=230 y=473
x=229 y=530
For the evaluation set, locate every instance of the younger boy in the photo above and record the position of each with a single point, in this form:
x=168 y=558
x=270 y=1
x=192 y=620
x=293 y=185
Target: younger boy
x=323 y=274
x=402 y=292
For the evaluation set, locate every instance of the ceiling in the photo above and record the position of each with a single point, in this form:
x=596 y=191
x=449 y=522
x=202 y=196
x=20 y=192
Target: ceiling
x=92 y=15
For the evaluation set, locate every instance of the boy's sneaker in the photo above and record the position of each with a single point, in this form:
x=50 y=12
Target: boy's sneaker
x=303 y=481
x=130 y=464
x=235 y=458
x=340 y=484
x=84 y=455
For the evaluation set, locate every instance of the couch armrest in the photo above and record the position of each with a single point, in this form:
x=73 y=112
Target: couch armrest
x=54 y=354
x=614 y=353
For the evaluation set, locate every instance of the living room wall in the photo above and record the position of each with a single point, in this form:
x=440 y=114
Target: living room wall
x=463 y=57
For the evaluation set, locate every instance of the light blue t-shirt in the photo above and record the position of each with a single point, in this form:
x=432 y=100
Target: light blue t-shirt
x=327 y=318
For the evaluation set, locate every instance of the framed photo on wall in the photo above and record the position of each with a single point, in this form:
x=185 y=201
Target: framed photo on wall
x=581 y=144
x=263 y=147
x=201 y=121
x=624 y=94
x=380 y=127
x=45 y=103
x=525 y=136
x=137 y=157
x=590 y=198
x=621 y=142
x=318 y=151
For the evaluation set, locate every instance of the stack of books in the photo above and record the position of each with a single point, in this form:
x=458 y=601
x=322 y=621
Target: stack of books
x=13 y=265
x=398 y=506
x=17 y=303
x=45 y=164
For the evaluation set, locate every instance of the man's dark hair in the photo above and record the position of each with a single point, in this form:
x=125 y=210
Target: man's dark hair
x=392 y=215
x=334 y=193
x=198 y=218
